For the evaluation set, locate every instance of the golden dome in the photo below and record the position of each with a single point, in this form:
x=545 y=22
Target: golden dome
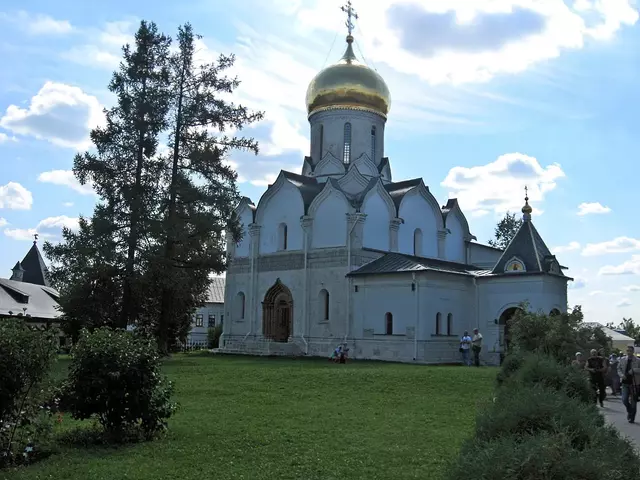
x=527 y=208
x=349 y=84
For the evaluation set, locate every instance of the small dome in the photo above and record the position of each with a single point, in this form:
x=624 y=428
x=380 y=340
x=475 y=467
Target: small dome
x=348 y=83
x=527 y=208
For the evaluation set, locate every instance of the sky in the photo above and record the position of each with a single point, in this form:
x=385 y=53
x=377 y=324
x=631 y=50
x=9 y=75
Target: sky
x=487 y=96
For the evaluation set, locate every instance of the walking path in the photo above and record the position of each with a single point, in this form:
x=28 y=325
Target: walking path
x=616 y=415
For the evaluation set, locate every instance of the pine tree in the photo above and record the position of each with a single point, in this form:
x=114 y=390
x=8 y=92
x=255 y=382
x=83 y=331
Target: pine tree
x=125 y=169
x=198 y=205
x=505 y=231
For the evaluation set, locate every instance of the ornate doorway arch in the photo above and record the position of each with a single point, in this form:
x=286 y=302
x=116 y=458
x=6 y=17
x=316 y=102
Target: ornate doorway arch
x=277 y=313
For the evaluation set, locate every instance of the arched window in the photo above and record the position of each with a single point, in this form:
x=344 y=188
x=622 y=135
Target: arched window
x=554 y=312
x=282 y=236
x=450 y=324
x=388 y=323
x=417 y=242
x=373 y=143
x=324 y=304
x=321 y=140
x=240 y=304
x=346 y=154
x=438 y=321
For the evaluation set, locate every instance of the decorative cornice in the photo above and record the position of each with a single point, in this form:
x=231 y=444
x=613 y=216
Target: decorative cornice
x=356 y=217
x=442 y=233
x=254 y=229
x=346 y=107
x=306 y=221
x=395 y=223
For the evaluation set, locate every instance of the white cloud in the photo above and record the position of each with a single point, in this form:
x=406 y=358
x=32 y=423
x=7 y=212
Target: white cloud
x=103 y=48
x=566 y=248
x=592 y=208
x=499 y=186
x=631 y=288
x=5 y=138
x=461 y=41
x=15 y=197
x=623 y=303
x=59 y=113
x=3 y=222
x=617 y=245
x=38 y=24
x=578 y=282
x=595 y=293
x=67 y=204
x=66 y=178
x=627 y=268
x=48 y=228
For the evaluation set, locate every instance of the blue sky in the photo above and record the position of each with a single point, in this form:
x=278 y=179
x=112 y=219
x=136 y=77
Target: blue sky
x=487 y=96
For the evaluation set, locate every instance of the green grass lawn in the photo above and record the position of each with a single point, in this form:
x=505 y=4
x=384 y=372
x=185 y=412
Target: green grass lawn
x=257 y=418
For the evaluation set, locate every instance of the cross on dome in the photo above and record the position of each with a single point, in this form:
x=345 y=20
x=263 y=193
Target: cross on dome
x=351 y=13
x=526 y=210
x=35 y=238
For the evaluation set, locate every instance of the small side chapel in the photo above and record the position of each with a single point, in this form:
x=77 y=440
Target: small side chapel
x=342 y=254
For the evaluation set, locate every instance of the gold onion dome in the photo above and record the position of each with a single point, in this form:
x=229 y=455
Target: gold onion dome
x=527 y=208
x=348 y=84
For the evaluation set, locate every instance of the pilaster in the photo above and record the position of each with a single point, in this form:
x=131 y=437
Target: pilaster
x=254 y=234
x=394 y=226
x=355 y=227
x=442 y=235
x=307 y=227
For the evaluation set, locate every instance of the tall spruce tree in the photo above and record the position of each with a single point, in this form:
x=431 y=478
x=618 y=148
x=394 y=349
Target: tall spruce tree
x=125 y=169
x=198 y=204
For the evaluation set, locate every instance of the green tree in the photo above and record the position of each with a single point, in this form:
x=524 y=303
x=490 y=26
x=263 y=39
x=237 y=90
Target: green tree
x=505 y=231
x=124 y=169
x=202 y=189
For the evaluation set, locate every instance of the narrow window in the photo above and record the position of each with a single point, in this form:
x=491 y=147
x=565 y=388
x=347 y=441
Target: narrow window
x=199 y=320
x=346 y=154
x=449 y=324
x=321 y=140
x=282 y=236
x=240 y=306
x=438 y=318
x=417 y=242
x=373 y=143
x=212 y=321
x=324 y=304
x=221 y=319
x=388 y=324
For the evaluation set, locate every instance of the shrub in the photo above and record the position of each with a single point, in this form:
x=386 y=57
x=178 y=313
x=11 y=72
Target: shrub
x=547 y=455
x=26 y=357
x=512 y=363
x=115 y=376
x=527 y=410
x=542 y=370
x=213 y=336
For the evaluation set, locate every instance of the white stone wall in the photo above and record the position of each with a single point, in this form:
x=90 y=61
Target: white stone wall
x=483 y=256
x=283 y=206
x=455 y=248
x=376 y=232
x=199 y=334
x=417 y=213
x=330 y=222
x=333 y=122
x=246 y=219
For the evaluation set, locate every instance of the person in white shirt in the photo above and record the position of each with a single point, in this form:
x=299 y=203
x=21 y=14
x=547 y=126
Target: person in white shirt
x=465 y=348
x=476 y=346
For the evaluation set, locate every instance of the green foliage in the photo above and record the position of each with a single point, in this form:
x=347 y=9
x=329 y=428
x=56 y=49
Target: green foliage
x=158 y=231
x=525 y=410
x=505 y=230
x=558 y=336
x=630 y=328
x=115 y=376
x=213 y=336
x=542 y=370
x=26 y=357
x=548 y=455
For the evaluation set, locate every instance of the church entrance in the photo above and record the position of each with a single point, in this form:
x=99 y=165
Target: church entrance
x=277 y=313
x=503 y=322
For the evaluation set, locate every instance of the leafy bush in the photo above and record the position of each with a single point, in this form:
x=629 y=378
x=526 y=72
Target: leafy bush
x=547 y=455
x=545 y=371
x=115 y=375
x=213 y=336
x=512 y=363
x=26 y=357
x=558 y=336
x=528 y=411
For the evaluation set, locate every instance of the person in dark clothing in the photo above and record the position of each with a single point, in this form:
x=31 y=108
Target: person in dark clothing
x=596 y=366
x=628 y=370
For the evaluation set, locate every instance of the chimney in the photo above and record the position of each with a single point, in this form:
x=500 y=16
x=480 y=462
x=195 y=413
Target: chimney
x=18 y=271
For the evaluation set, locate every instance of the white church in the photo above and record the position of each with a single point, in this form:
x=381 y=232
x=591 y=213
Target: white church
x=342 y=254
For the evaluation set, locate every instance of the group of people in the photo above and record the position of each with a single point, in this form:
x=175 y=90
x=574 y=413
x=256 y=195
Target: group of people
x=622 y=374
x=471 y=346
